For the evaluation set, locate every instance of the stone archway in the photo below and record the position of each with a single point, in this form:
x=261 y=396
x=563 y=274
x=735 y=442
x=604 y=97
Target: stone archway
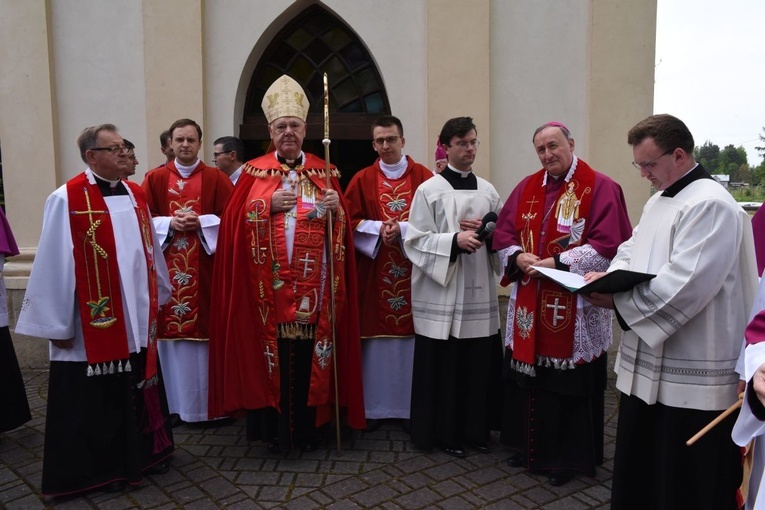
x=311 y=44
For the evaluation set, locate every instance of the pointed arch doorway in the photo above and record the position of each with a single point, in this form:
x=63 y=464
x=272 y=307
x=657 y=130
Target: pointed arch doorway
x=313 y=43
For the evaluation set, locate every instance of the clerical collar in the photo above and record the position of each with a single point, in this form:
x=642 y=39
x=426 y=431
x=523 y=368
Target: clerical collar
x=462 y=173
x=395 y=170
x=569 y=174
x=185 y=171
x=459 y=180
x=694 y=174
x=289 y=162
x=109 y=187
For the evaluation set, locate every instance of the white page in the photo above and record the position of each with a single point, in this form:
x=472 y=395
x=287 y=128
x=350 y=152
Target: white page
x=571 y=281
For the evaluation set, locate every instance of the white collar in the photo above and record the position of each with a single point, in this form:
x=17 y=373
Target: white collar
x=569 y=175
x=463 y=173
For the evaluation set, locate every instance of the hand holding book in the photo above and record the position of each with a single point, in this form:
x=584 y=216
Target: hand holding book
x=620 y=280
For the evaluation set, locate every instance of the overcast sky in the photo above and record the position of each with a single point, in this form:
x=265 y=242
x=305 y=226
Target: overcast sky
x=710 y=69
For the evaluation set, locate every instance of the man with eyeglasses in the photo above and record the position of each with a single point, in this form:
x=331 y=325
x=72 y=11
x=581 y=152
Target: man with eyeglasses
x=454 y=300
x=186 y=198
x=132 y=159
x=228 y=156
x=379 y=200
x=683 y=330
x=95 y=292
x=569 y=217
x=272 y=342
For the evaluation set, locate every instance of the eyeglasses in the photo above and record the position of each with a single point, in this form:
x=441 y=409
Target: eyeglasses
x=216 y=154
x=652 y=163
x=390 y=140
x=114 y=150
x=464 y=145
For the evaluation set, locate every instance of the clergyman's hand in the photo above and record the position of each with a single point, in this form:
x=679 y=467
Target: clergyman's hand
x=391 y=232
x=525 y=262
x=283 y=200
x=330 y=199
x=758 y=382
x=467 y=241
x=467 y=224
x=63 y=344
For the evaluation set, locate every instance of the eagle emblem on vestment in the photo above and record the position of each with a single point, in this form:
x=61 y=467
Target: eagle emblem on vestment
x=525 y=321
x=323 y=352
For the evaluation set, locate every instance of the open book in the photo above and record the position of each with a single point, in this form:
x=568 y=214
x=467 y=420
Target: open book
x=616 y=281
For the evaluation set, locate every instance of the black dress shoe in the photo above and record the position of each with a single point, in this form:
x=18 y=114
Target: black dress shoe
x=175 y=420
x=454 y=451
x=373 y=425
x=560 y=477
x=309 y=447
x=115 y=486
x=159 y=469
x=481 y=446
x=273 y=447
x=516 y=460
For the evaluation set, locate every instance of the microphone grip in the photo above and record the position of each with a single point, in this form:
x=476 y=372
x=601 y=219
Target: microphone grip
x=485 y=230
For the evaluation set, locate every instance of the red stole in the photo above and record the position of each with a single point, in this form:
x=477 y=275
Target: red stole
x=180 y=316
x=99 y=293
x=291 y=296
x=97 y=278
x=545 y=313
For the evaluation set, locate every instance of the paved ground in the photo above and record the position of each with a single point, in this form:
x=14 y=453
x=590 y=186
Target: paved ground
x=215 y=467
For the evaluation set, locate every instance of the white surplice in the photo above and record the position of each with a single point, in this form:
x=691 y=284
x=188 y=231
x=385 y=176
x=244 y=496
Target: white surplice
x=459 y=298
x=688 y=322
x=50 y=308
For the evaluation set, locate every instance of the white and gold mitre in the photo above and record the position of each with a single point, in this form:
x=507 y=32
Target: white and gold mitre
x=285 y=98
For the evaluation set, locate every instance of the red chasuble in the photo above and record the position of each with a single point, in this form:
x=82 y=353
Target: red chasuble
x=385 y=304
x=545 y=312
x=258 y=296
x=205 y=191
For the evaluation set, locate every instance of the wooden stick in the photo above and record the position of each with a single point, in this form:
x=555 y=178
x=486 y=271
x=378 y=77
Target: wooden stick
x=717 y=420
x=331 y=260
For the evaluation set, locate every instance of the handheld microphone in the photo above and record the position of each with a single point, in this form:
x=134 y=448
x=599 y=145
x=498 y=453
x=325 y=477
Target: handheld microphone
x=488 y=224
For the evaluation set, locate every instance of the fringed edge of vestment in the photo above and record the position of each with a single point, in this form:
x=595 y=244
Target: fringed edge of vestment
x=105 y=368
x=542 y=361
x=272 y=172
x=296 y=331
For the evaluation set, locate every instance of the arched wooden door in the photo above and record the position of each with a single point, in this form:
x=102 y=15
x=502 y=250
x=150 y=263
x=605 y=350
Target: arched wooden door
x=313 y=43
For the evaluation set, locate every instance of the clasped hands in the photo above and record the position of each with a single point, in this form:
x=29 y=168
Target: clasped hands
x=390 y=231
x=284 y=200
x=184 y=221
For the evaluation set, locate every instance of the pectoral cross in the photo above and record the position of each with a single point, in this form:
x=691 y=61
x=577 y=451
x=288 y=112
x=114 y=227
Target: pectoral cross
x=556 y=306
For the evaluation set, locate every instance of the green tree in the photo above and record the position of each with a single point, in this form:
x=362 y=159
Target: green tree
x=743 y=174
x=761 y=148
x=707 y=155
x=758 y=174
